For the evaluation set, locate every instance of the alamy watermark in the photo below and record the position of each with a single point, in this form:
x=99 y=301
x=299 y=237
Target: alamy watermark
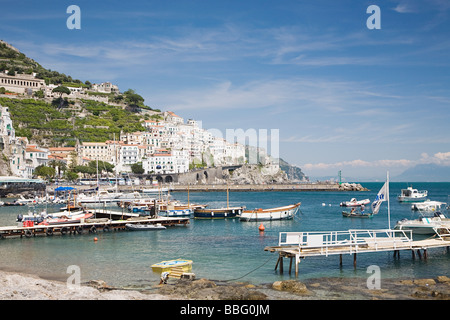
x=74 y=20
x=74 y=280
x=374 y=280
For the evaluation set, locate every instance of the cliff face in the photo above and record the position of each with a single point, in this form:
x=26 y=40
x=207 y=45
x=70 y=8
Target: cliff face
x=257 y=174
x=294 y=173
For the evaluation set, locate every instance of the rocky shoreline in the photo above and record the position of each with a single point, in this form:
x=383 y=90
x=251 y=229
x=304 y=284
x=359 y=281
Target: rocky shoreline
x=16 y=286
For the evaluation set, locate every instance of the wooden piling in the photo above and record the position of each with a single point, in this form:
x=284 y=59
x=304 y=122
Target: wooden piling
x=354 y=260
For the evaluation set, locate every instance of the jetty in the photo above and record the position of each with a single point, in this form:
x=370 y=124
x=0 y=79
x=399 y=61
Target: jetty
x=86 y=226
x=300 y=245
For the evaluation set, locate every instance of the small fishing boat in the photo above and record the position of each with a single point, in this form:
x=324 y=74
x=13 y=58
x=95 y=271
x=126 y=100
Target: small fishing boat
x=412 y=195
x=356 y=214
x=280 y=213
x=355 y=203
x=166 y=266
x=144 y=227
x=176 y=213
x=219 y=213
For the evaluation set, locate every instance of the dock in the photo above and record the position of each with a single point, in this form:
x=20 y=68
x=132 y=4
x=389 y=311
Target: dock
x=300 y=245
x=86 y=226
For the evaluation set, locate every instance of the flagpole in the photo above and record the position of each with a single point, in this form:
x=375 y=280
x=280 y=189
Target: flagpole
x=389 y=207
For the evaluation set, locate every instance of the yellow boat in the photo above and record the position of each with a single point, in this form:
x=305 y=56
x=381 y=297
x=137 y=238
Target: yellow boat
x=166 y=266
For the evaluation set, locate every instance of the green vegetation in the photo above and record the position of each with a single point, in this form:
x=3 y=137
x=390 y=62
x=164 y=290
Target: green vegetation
x=39 y=120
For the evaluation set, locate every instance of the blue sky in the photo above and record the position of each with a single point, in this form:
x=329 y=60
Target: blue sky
x=343 y=97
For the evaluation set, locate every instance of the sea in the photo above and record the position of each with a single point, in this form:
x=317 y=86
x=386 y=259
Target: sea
x=228 y=249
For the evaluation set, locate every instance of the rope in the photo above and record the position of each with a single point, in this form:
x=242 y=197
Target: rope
x=246 y=273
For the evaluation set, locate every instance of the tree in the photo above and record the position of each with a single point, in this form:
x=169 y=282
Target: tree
x=44 y=171
x=71 y=175
x=61 y=90
x=137 y=168
x=133 y=100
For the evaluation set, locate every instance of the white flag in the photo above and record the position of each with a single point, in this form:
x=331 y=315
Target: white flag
x=381 y=196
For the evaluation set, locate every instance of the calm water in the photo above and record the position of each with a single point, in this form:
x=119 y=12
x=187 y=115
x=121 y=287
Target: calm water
x=223 y=249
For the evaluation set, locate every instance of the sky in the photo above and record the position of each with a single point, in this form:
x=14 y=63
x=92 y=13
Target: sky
x=343 y=96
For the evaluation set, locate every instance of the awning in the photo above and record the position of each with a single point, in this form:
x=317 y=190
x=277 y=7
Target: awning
x=64 y=189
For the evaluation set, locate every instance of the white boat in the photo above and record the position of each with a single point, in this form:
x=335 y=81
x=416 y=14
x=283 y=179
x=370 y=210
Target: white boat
x=426 y=224
x=412 y=195
x=280 y=213
x=108 y=197
x=428 y=205
x=355 y=203
x=154 y=190
x=144 y=227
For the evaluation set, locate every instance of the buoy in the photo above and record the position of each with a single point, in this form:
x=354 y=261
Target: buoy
x=95 y=239
x=261 y=227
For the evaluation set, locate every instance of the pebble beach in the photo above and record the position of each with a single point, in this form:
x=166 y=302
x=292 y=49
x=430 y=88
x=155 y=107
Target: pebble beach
x=16 y=286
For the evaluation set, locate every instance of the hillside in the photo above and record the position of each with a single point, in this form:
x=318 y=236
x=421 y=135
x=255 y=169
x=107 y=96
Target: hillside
x=425 y=173
x=83 y=120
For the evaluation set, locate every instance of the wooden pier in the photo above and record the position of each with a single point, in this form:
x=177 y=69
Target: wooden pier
x=299 y=245
x=86 y=226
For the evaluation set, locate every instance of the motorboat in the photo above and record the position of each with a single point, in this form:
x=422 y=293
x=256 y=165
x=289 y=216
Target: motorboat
x=103 y=197
x=426 y=224
x=144 y=227
x=166 y=266
x=112 y=214
x=412 y=195
x=355 y=203
x=279 y=213
x=73 y=218
x=428 y=206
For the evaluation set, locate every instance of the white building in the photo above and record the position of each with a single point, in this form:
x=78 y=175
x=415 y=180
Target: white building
x=21 y=83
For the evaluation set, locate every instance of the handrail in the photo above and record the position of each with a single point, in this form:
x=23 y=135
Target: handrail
x=351 y=240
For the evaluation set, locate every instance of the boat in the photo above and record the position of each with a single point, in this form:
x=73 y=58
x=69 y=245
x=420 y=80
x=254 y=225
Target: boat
x=219 y=213
x=280 y=213
x=112 y=214
x=176 y=213
x=355 y=203
x=107 y=197
x=74 y=218
x=357 y=214
x=428 y=206
x=144 y=227
x=425 y=224
x=166 y=266
x=412 y=195
x=154 y=190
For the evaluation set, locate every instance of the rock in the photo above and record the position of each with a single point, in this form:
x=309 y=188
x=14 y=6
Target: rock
x=424 y=282
x=292 y=286
x=443 y=279
x=98 y=284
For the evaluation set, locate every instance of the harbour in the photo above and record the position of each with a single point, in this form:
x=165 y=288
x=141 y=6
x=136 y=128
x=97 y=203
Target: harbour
x=225 y=249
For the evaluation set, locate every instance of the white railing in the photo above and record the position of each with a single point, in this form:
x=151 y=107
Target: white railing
x=349 y=241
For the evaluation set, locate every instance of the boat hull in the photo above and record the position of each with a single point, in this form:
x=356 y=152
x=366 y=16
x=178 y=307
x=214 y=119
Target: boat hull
x=166 y=266
x=175 y=213
x=280 y=213
x=146 y=227
x=221 y=213
x=356 y=214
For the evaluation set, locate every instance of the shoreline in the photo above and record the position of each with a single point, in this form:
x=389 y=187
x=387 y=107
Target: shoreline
x=320 y=186
x=22 y=286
